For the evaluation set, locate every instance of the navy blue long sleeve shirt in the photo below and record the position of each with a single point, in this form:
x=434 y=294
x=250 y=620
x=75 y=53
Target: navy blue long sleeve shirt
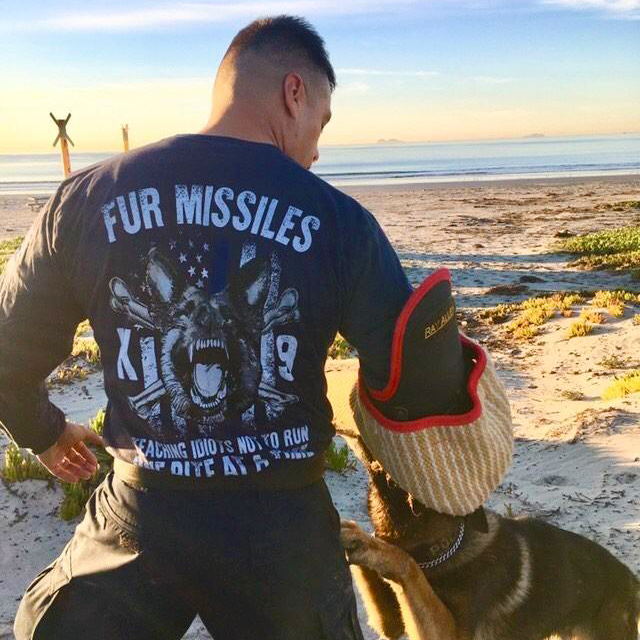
x=215 y=273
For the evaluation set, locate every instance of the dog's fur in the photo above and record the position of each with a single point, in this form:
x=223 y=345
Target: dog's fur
x=228 y=325
x=511 y=579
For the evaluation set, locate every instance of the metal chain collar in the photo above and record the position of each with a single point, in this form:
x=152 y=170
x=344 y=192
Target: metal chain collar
x=447 y=554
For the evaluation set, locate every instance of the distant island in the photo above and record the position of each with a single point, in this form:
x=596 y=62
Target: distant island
x=536 y=135
x=390 y=141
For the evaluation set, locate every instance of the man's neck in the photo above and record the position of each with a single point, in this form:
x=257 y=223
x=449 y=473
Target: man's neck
x=242 y=130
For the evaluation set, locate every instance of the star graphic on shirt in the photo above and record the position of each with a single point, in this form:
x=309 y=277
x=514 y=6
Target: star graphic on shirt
x=192 y=271
x=200 y=284
x=205 y=246
x=183 y=257
x=191 y=243
x=205 y=273
x=172 y=244
x=199 y=258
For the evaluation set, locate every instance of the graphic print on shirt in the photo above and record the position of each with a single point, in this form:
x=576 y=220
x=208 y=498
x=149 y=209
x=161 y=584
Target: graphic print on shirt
x=212 y=351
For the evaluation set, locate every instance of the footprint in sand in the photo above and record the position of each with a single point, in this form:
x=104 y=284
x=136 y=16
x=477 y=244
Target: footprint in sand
x=553 y=481
x=626 y=478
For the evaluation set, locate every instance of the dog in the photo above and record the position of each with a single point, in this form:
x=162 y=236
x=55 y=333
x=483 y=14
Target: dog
x=483 y=576
x=209 y=361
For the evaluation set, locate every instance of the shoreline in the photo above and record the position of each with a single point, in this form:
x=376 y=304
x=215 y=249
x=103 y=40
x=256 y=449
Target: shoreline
x=501 y=182
x=429 y=185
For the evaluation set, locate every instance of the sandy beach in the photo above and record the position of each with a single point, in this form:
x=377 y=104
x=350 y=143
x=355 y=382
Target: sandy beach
x=577 y=457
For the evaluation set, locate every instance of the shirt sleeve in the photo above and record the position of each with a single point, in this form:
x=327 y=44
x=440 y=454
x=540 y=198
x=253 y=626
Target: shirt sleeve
x=375 y=290
x=38 y=318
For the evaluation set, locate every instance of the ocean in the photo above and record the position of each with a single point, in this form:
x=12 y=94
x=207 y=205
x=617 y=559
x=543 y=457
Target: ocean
x=397 y=163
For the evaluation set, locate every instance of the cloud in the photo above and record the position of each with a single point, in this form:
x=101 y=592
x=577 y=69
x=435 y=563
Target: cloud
x=492 y=80
x=385 y=72
x=628 y=9
x=354 y=88
x=124 y=15
x=160 y=14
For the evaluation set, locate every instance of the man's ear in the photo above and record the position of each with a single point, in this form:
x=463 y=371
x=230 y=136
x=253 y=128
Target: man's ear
x=294 y=92
x=161 y=277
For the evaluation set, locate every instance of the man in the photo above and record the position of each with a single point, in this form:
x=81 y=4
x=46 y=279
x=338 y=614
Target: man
x=215 y=270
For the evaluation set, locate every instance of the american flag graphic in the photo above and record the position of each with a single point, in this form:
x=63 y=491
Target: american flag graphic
x=202 y=263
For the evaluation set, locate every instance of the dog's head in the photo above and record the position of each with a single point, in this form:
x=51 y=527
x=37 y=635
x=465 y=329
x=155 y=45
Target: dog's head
x=210 y=344
x=394 y=510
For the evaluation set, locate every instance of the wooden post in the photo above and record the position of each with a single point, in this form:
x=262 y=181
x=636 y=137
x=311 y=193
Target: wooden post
x=125 y=137
x=64 y=140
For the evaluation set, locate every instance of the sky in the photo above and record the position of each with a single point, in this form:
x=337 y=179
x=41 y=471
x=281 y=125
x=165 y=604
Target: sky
x=431 y=70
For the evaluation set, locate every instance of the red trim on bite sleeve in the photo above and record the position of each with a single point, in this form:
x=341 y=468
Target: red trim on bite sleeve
x=409 y=426
x=398 y=334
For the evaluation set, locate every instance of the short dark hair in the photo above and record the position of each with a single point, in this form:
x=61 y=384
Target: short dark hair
x=285 y=34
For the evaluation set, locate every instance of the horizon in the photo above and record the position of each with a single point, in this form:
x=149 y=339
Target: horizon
x=443 y=71
x=371 y=143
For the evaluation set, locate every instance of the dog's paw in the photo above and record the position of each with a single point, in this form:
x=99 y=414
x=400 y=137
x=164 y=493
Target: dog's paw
x=364 y=550
x=353 y=538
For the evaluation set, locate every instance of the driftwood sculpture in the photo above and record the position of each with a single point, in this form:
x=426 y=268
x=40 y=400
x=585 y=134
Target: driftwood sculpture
x=64 y=138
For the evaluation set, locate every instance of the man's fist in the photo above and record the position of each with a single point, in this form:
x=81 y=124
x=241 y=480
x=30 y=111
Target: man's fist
x=69 y=458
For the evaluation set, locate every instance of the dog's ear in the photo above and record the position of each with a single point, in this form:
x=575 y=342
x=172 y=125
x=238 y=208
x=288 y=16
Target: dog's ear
x=161 y=277
x=478 y=520
x=250 y=286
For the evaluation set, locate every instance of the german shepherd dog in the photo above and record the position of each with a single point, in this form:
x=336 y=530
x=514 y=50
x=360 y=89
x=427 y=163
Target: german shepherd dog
x=483 y=576
x=209 y=364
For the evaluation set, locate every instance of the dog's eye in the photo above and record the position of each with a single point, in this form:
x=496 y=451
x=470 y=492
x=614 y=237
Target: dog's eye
x=189 y=307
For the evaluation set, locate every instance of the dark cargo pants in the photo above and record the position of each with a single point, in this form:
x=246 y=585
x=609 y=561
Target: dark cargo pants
x=255 y=565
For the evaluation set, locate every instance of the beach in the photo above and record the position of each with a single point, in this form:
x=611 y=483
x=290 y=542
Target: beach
x=576 y=457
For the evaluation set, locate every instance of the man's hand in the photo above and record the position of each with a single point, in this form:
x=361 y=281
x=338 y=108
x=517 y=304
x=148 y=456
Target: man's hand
x=70 y=459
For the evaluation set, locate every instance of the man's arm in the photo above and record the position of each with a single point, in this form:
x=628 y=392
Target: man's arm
x=382 y=309
x=376 y=289
x=38 y=317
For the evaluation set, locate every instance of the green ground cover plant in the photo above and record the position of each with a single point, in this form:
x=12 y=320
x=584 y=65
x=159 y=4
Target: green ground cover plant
x=623 y=386
x=84 y=329
x=593 y=317
x=579 y=328
x=605 y=242
x=337 y=458
x=523 y=320
x=526 y=317
x=84 y=358
x=613 y=361
x=627 y=260
x=21 y=465
x=86 y=348
x=623 y=205
x=605 y=299
x=616 y=249
x=76 y=494
x=616 y=310
x=570 y=394
x=341 y=349
x=84 y=344
x=7 y=249
x=67 y=375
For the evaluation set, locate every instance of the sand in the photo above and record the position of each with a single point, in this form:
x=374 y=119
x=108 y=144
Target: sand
x=576 y=462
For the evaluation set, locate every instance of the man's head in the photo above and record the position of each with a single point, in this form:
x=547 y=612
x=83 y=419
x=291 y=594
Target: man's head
x=274 y=85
